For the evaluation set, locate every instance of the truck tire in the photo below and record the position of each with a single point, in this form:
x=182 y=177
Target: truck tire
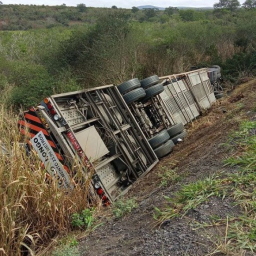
x=129 y=86
x=216 y=67
x=134 y=95
x=165 y=149
x=176 y=138
x=159 y=139
x=153 y=91
x=175 y=129
x=218 y=70
x=149 y=81
x=219 y=95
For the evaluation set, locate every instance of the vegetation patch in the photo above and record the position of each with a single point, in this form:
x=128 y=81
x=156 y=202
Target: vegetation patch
x=32 y=211
x=239 y=185
x=168 y=176
x=122 y=207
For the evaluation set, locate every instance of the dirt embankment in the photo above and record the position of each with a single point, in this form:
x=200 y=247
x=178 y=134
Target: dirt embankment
x=200 y=155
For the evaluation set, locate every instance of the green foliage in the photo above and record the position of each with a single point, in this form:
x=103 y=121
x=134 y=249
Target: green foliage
x=149 y=13
x=228 y=4
x=84 y=219
x=240 y=65
x=191 y=15
x=171 y=10
x=98 y=56
x=113 y=46
x=243 y=232
x=81 y=7
x=249 y=4
x=121 y=207
x=66 y=250
x=168 y=176
x=135 y=9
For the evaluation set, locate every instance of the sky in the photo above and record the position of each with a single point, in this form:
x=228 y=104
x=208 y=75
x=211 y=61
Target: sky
x=118 y=3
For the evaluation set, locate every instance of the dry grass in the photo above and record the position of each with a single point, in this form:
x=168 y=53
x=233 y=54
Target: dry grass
x=32 y=212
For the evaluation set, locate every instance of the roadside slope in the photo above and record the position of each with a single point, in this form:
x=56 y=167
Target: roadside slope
x=200 y=155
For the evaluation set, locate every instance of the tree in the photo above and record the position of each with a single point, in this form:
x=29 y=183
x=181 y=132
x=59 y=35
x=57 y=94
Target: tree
x=114 y=7
x=135 y=9
x=81 y=7
x=150 y=12
x=249 y=4
x=99 y=55
x=227 y=4
x=171 y=10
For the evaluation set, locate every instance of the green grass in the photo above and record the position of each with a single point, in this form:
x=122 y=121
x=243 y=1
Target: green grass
x=66 y=250
x=238 y=184
x=168 y=176
x=122 y=207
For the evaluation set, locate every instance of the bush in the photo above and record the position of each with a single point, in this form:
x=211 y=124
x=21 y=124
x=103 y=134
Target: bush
x=239 y=66
x=83 y=220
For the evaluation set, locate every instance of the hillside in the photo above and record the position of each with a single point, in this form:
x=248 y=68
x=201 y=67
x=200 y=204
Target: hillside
x=210 y=219
x=150 y=7
x=26 y=17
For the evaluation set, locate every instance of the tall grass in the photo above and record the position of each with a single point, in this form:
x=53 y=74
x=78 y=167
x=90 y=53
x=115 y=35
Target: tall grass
x=32 y=212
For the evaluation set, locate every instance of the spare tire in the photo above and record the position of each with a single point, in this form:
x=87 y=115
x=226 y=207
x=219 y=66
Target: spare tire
x=134 y=95
x=179 y=136
x=149 y=81
x=159 y=139
x=129 y=85
x=165 y=149
x=153 y=91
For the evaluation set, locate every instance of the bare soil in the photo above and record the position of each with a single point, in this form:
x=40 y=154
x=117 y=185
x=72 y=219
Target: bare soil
x=200 y=155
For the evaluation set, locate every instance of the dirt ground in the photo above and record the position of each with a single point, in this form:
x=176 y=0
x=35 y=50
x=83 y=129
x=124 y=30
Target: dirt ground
x=200 y=155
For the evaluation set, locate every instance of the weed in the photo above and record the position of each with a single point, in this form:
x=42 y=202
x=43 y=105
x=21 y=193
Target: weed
x=66 y=250
x=243 y=232
x=190 y=196
x=240 y=231
x=168 y=176
x=84 y=219
x=121 y=207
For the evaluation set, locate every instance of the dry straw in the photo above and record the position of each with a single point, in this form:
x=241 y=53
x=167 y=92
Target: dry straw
x=32 y=212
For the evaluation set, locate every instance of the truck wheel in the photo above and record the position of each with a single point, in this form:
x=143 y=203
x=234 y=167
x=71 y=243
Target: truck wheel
x=179 y=136
x=165 y=149
x=175 y=129
x=153 y=91
x=128 y=86
x=217 y=67
x=149 y=81
x=134 y=95
x=219 y=95
x=159 y=139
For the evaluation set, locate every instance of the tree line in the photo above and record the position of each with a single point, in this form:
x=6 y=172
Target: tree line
x=117 y=47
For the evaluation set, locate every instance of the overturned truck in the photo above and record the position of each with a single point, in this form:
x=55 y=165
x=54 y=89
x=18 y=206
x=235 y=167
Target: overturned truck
x=115 y=134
